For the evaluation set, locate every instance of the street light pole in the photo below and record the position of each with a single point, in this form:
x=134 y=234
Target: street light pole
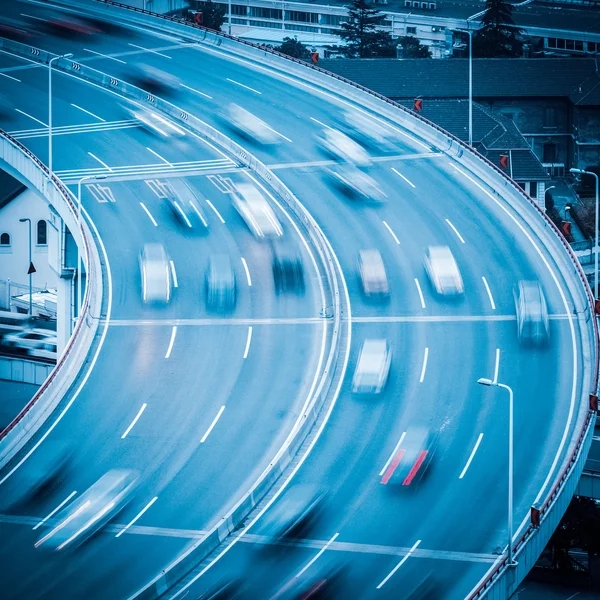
x=470 y=85
x=50 y=110
x=29 y=269
x=84 y=178
x=489 y=382
x=584 y=172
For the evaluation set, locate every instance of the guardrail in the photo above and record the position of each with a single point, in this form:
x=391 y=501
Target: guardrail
x=24 y=165
x=479 y=165
x=24 y=370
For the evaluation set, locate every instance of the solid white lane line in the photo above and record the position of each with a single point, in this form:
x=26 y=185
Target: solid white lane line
x=28 y=115
x=10 y=77
x=487 y=287
x=399 y=565
x=311 y=562
x=101 y=162
x=88 y=112
x=497 y=365
x=187 y=87
x=105 y=56
x=248 y=340
x=135 y=420
x=242 y=85
x=321 y=123
x=174 y=274
x=212 y=425
x=425 y=357
x=472 y=455
x=394 y=452
x=393 y=234
x=460 y=237
x=216 y=211
x=420 y=293
x=403 y=177
x=279 y=134
x=159 y=156
x=55 y=510
x=137 y=516
x=172 y=341
x=148 y=213
x=150 y=50
x=247 y=272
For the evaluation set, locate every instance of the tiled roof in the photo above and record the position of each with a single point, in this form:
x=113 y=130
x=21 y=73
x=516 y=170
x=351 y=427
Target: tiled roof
x=587 y=93
x=10 y=188
x=492 y=77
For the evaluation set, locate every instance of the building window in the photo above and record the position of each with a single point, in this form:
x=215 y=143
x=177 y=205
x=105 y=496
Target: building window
x=579 y=45
x=549 y=116
x=239 y=9
x=533 y=189
x=301 y=17
x=42 y=237
x=331 y=19
x=265 y=13
x=549 y=152
x=411 y=31
x=5 y=239
x=302 y=28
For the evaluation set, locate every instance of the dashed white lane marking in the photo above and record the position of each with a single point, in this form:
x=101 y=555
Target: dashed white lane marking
x=187 y=87
x=137 y=516
x=28 y=115
x=487 y=287
x=215 y=211
x=460 y=237
x=174 y=274
x=150 y=50
x=149 y=214
x=244 y=86
x=159 y=156
x=420 y=292
x=100 y=161
x=212 y=425
x=135 y=420
x=424 y=367
x=10 y=77
x=497 y=367
x=471 y=456
x=248 y=340
x=247 y=272
x=88 y=112
x=105 y=56
x=287 y=139
x=391 y=231
x=171 y=341
x=399 y=565
x=55 y=510
x=403 y=177
x=313 y=560
x=321 y=123
x=394 y=452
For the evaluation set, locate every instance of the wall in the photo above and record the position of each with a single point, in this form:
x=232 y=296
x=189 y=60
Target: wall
x=586 y=126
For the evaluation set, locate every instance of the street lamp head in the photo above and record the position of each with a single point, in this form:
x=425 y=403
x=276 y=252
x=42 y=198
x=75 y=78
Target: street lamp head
x=23 y=220
x=69 y=55
x=100 y=176
x=578 y=171
x=484 y=381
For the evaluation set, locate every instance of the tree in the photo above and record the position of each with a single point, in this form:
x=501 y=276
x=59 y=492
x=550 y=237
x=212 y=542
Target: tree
x=292 y=47
x=362 y=35
x=411 y=47
x=213 y=15
x=497 y=38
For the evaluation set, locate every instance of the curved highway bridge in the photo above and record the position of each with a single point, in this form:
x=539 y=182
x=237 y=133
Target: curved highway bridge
x=200 y=404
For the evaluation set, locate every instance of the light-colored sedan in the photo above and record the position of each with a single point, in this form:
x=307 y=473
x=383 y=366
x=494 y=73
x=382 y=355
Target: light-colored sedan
x=87 y=513
x=369 y=131
x=250 y=126
x=341 y=147
x=156 y=274
x=29 y=339
x=154 y=122
x=356 y=183
x=257 y=213
x=532 y=314
x=443 y=271
x=373 y=367
x=372 y=273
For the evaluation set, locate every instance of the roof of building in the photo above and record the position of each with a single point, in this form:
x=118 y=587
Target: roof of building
x=492 y=77
x=493 y=134
x=10 y=188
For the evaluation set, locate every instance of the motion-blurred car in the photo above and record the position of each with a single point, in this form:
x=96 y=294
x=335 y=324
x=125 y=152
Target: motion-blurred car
x=443 y=271
x=288 y=271
x=532 y=313
x=156 y=274
x=373 y=367
x=220 y=283
x=16 y=30
x=293 y=513
x=257 y=213
x=46 y=350
x=341 y=147
x=249 y=126
x=154 y=122
x=322 y=581
x=187 y=211
x=156 y=81
x=412 y=457
x=61 y=23
x=372 y=273
x=29 y=339
x=87 y=513
x=356 y=183
x=369 y=132
x=225 y=590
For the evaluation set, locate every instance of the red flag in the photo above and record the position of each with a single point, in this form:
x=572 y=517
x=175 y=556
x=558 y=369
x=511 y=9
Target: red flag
x=314 y=56
x=418 y=104
x=504 y=161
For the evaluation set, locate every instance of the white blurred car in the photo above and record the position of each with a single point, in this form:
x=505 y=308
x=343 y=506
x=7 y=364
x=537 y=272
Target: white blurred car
x=87 y=513
x=154 y=122
x=372 y=273
x=29 y=339
x=341 y=147
x=355 y=182
x=373 y=367
x=370 y=132
x=156 y=275
x=532 y=314
x=443 y=271
x=250 y=126
x=257 y=213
